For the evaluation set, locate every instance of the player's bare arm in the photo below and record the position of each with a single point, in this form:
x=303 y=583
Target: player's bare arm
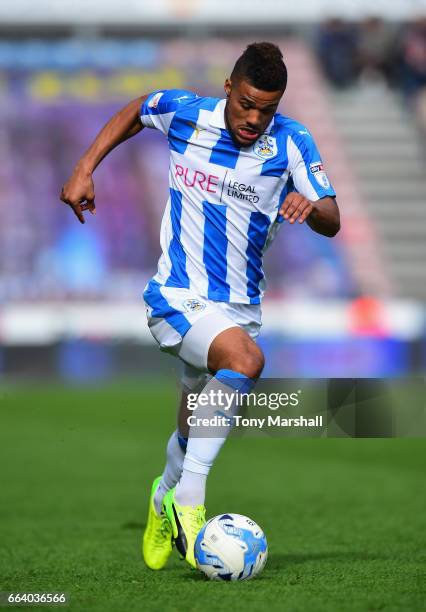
x=322 y=216
x=79 y=191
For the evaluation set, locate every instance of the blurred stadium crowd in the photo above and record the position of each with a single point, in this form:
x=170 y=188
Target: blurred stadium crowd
x=56 y=96
x=57 y=92
x=374 y=51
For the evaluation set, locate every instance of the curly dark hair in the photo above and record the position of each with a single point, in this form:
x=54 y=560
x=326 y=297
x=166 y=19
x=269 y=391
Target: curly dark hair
x=262 y=65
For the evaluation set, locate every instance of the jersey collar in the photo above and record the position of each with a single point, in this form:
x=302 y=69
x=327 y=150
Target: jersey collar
x=217 y=118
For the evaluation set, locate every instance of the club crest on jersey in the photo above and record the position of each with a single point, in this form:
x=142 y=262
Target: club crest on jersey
x=317 y=170
x=193 y=305
x=265 y=147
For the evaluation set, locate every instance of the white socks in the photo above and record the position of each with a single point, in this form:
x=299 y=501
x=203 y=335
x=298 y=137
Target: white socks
x=191 y=490
x=172 y=471
x=205 y=441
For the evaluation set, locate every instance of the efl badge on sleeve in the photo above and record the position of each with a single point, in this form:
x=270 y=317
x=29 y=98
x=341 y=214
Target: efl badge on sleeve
x=265 y=147
x=317 y=170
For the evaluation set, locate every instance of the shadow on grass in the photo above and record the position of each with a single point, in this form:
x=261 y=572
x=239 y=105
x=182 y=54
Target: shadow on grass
x=285 y=562
x=133 y=525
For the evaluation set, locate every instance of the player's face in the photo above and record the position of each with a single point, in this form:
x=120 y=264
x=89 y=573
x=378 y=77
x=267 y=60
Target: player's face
x=248 y=110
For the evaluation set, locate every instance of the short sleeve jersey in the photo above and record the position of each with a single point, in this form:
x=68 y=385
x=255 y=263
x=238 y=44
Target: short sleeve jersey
x=222 y=208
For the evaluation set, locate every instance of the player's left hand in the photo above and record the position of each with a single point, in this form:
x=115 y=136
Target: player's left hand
x=296 y=208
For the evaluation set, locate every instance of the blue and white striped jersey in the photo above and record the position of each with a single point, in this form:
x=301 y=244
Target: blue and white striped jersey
x=222 y=209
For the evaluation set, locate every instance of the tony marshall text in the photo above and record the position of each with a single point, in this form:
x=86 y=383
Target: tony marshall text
x=240 y=421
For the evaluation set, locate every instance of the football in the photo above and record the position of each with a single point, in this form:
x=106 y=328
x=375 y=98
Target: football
x=231 y=547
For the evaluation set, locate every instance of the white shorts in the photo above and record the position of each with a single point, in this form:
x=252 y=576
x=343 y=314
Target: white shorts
x=185 y=325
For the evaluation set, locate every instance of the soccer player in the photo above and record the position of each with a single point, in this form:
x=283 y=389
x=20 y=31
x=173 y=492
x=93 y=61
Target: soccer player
x=238 y=170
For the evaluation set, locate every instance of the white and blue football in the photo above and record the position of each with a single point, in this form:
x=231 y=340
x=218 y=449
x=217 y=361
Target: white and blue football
x=231 y=547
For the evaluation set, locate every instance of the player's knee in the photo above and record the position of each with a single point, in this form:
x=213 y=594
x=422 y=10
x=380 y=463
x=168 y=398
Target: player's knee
x=250 y=364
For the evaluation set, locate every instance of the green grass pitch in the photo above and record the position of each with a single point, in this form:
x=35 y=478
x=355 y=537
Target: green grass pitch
x=345 y=519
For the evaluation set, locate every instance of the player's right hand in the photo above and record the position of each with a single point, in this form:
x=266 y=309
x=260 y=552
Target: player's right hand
x=79 y=193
